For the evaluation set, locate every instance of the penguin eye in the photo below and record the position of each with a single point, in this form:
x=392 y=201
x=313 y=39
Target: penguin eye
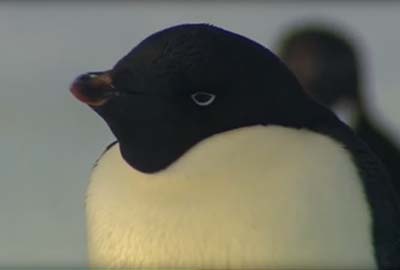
x=203 y=98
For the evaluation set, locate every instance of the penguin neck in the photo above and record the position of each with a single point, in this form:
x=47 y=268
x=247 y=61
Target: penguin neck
x=155 y=150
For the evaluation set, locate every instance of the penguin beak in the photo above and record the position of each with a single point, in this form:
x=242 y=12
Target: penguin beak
x=93 y=88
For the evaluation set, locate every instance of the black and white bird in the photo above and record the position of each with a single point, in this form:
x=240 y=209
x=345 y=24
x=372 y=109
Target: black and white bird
x=222 y=162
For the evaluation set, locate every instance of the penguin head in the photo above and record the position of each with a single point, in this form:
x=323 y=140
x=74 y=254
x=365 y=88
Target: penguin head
x=325 y=62
x=186 y=83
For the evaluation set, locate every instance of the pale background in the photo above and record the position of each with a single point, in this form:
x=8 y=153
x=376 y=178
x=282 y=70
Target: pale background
x=49 y=141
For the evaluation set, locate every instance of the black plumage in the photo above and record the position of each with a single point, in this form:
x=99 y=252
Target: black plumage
x=150 y=109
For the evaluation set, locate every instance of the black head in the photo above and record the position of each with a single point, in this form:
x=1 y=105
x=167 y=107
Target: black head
x=186 y=83
x=324 y=61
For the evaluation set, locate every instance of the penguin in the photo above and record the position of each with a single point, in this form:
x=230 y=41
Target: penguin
x=223 y=162
x=332 y=74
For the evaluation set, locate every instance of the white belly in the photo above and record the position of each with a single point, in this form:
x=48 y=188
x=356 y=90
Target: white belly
x=252 y=197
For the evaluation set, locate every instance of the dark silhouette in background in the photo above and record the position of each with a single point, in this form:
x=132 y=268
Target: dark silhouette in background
x=327 y=66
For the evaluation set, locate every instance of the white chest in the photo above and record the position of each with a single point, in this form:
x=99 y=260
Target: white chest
x=253 y=197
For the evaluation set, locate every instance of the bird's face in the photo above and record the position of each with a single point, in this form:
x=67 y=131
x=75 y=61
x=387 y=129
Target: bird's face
x=183 y=85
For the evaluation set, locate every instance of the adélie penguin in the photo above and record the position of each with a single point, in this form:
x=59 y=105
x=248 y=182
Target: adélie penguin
x=222 y=162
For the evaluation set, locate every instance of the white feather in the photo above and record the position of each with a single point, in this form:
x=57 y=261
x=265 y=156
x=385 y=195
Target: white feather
x=251 y=197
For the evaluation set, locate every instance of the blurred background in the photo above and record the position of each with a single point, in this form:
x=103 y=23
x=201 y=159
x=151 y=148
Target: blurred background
x=49 y=141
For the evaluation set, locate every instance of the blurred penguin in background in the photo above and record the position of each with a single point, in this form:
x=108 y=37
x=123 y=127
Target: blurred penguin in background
x=327 y=66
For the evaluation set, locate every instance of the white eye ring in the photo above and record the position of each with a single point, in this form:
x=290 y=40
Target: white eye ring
x=200 y=102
